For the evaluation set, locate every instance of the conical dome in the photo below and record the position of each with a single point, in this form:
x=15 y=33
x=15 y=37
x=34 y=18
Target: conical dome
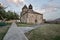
x=25 y=7
x=30 y=6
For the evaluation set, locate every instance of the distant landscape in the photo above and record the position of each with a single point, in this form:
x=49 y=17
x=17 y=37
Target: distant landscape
x=57 y=21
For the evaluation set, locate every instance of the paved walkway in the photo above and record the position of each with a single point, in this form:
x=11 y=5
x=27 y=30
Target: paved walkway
x=15 y=34
x=25 y=29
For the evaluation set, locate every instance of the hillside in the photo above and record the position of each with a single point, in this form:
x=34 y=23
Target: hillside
x=54 y=21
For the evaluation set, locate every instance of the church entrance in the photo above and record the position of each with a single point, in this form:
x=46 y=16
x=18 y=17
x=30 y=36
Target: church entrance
x=35 y=21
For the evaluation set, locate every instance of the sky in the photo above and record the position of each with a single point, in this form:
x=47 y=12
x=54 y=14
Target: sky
x=49 y=8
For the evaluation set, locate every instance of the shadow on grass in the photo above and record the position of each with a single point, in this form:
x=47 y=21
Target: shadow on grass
x=57 y=38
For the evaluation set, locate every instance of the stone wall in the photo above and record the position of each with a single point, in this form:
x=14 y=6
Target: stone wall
x=24 y=18
x=31 y=18
x=34 y=18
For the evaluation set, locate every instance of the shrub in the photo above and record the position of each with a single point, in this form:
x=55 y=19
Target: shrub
x=3 y=24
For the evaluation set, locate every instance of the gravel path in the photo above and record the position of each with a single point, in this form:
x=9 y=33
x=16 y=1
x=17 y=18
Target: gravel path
x=15 y=34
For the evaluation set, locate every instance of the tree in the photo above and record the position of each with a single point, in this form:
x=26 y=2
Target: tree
x=16 y=16
x=2 y=13
x=7 y=15
x=12 y=15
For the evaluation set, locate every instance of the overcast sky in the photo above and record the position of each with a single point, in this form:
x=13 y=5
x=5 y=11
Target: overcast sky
x=49 y=8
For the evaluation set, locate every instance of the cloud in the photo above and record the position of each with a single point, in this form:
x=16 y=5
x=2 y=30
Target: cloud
x=50 y=0
x=40 y=11
x=52 y=6
x=17 y=2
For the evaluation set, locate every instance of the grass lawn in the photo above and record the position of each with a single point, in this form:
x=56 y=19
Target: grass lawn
x=45 y=32
x=23 y=24
x=3 y=31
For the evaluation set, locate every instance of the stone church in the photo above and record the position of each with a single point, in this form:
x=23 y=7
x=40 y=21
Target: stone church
x=28 y=15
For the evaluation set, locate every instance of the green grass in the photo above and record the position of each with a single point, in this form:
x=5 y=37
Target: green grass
x=8 y=23
x=45 y=32
x=23 y=24
x=3 y=31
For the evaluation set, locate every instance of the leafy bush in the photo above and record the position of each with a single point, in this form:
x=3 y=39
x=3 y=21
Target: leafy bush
x=3 y=24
